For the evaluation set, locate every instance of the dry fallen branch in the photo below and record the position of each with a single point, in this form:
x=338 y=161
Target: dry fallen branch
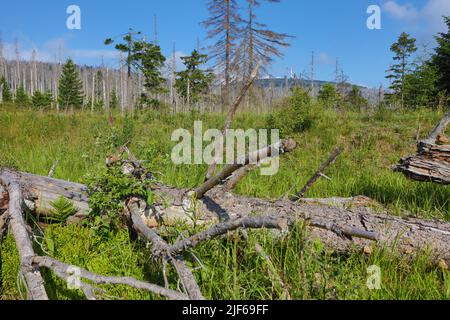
x=320 y=173
x=232 y=113
x=274 y=150
x=32 y=276
x=160 y=248
x=258 y=222
x=345 y=231
x=239 y=175
x=66 y=271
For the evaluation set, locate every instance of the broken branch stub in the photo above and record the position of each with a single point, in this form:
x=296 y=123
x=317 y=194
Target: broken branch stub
x=320 y=173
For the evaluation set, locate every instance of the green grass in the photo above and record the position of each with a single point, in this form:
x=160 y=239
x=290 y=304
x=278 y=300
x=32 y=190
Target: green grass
x=230 y=268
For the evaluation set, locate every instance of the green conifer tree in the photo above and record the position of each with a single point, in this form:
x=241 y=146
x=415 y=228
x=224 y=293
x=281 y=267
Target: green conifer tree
x=42 y=100
x=442 y=57
x=22 y=98
x=7 y=96
x=193 y=81
x=403 y=49
x=355 y=99
x=328 y=95
x=70 y=87
x=114 y=100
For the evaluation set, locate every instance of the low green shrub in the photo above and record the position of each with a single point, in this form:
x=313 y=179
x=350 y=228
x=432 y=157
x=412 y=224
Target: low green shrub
x=295 y=116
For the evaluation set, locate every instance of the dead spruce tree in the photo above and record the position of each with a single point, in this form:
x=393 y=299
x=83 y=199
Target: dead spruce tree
x=224 y=26
x=262 y=44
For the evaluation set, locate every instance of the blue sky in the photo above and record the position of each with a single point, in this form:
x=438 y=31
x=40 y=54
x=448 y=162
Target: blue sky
x=330 y=28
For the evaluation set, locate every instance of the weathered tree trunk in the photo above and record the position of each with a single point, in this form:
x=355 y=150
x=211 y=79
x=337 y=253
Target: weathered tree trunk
x=39 y=192
x=342 y=224
x=31 y=274
x=432 y=162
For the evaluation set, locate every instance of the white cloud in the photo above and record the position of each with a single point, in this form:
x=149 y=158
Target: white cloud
x=324 y=58
x=55 y=50
x=401 y=12
x=433 y=12
x=179 y=62
x=427 y=20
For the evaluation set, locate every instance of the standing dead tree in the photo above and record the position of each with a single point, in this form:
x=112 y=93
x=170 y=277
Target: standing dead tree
x=432 y=162
x=223 y=24
x=261 y=43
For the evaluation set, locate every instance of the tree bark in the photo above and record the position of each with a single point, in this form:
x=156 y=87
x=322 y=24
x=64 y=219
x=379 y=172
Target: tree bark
x=342 y=224
x=31 y=274
x=432 y=162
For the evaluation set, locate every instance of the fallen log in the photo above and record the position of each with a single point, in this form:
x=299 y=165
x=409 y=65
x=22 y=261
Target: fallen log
x=31 y=274
x=432 y=161
x=341 y=227
x=39 y=192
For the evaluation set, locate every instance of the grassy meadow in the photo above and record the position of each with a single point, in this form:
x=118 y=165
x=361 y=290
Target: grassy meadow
x=230 y=268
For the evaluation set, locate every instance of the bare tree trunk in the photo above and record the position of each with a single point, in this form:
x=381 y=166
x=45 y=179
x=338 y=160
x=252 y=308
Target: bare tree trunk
x=32 y=276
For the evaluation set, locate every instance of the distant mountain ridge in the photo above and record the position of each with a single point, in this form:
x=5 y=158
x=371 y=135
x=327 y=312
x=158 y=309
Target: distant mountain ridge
x=291 y=82
x=372 y=94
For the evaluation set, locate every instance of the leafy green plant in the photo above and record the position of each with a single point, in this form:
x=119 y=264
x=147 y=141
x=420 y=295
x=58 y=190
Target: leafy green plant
x=296 y=117
x=114 y=136
x=108 y=192
x=61 y=210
